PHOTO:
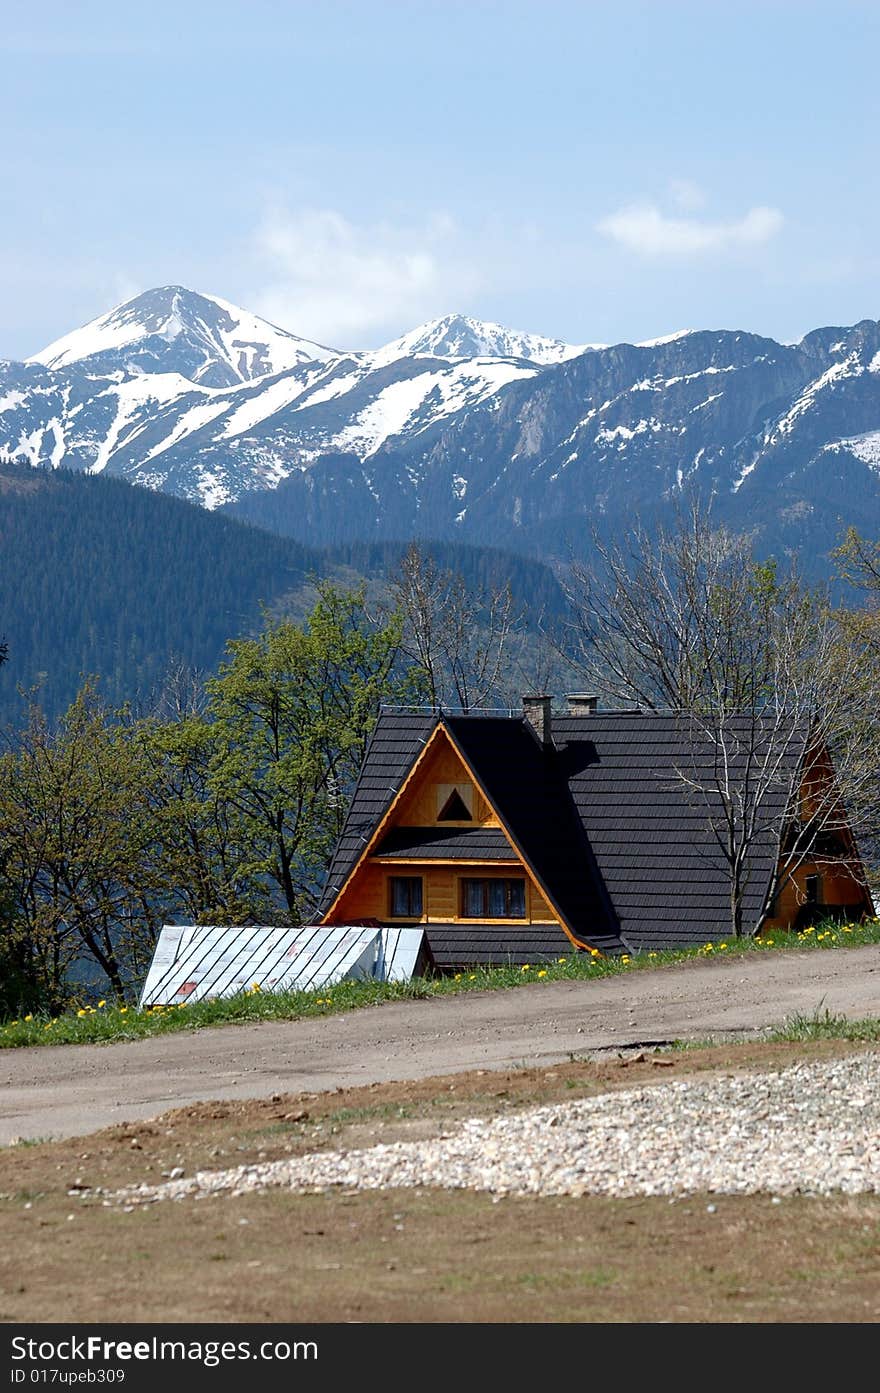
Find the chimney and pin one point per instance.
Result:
(581, 703)
(536, 710)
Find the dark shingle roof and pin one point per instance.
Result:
(447, 844)
(624, 853)
(651, 837)
(522, 782)
(397, 741)
(494, 945)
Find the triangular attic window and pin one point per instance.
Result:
(454, 809)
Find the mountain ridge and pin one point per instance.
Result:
(432, 436)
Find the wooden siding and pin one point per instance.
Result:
(841, 882)
(530, 817)
(838, 888)
(442, 765)
(368, 895)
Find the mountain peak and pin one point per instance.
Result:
(172, 329)
(460, 336)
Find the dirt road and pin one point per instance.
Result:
(73, 1090)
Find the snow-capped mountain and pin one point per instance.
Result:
(201, 337)
(190, 394)
(459, 428)
(456, 336)
(783, 440)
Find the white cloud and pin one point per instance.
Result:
(644, 229)
(339, 283)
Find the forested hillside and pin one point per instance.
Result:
(98, 577)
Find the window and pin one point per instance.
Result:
(455, 802)
(493, 899)
(453, 809)
(829, 845)
(406, 897)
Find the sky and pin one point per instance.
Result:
(594, 172)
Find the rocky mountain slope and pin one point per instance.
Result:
(458, 429)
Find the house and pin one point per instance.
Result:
(521, 836)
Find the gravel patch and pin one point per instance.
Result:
(813, 1128)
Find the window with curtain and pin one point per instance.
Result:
(406, 896)
(493, 898)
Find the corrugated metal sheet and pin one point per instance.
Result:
(197, 962)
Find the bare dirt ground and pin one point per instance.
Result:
(426, 1255)
(72, 1090)
(251, 1093)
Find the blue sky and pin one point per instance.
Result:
(597, 172)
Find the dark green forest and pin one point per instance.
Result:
(101, 578)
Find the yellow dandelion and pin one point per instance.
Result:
(542, 973)
(82, 1013)
(101, 1003)
(722, 945)
(472, 977)
(625, 958)
(28, 1018)
(457, 977)
(560, 960)
(526, 967)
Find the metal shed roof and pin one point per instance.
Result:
(198, 962)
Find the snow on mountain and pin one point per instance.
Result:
(864, 447)
(225, 443)
(204, 338)
(666, 338)
(456, 336)
(459, 428)
(413, 404)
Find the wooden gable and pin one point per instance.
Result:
(439, 773)
(833, 877)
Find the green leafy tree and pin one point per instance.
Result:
(292, 710)
(198, 850)
(76, 829)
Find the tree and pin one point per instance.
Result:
(291, 713)
(75, 830)
(198, 850)
(461, 640)
(773, 693)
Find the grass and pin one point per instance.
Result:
(825, 1025)
(104, 1021)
